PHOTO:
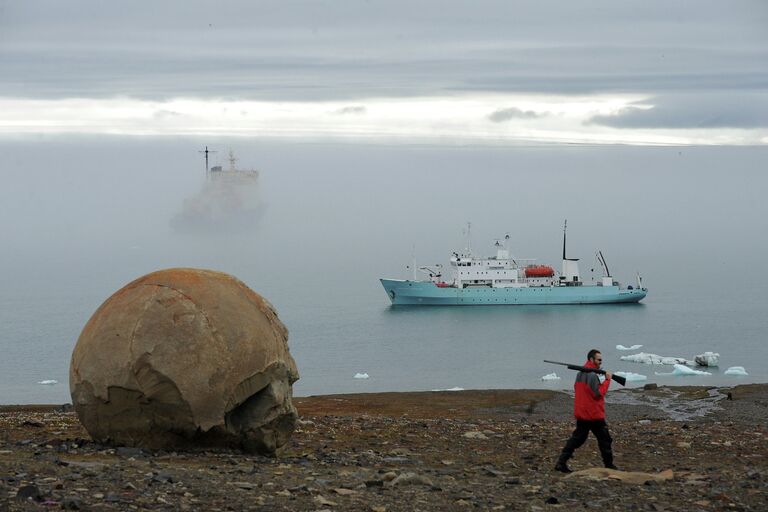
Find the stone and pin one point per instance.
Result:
(628, 477)
(185, 358)
(323, 501)
(29, 491)
(409, 478)
(245, 485)
(71, 503)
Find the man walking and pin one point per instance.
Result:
(589, 410)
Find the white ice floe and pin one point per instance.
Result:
(736, 370)
(450, 389)
(48, 382)
(633, 347)
(682, 370)
(550, 376)
(642, 357)
(707, 359)
(361, 375)
(631, 376)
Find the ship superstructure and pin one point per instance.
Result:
(217, 172)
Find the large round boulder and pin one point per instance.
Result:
(184, 358)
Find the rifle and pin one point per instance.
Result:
(618, 378)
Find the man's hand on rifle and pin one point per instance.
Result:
(608, 375)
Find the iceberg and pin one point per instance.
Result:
(450, 389)
(550, 376)
(682, 370)
(707, 359)
(361, 375)
(736, 370)
(631, 376)
(633, 347)
(642, 357)
(48, 382)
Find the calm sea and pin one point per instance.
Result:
(81, 217)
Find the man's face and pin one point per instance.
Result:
(598, 359)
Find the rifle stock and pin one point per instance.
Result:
(618, 378)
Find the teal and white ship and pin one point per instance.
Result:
(502, 279)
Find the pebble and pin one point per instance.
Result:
(475, 435)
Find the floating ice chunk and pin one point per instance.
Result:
(550, 376)
(361, 375)
(48, 382)
(707, 359)
(450, 389)
(633, 347)
(642, 357)
(631, 376)
(736, 370)
(682, 370)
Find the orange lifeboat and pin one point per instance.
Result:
(443, 285)
(539, 271)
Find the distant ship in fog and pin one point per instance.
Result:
(227, 202)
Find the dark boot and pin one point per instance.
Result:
(608, 459)
(562, 465)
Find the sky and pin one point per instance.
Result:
(630, 72)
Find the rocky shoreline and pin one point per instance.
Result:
(691, 448)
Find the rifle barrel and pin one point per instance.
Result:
(617, 378)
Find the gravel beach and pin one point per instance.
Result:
(686, 448)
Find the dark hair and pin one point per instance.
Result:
(592, 353)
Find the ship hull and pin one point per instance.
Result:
(401, 292)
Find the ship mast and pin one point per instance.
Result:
(469, 239)
(206, 159)
(570, 275)
(232, 160)
(565, 226)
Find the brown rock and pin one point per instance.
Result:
(184, 357)
(629, 477)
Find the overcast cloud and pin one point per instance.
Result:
(703, 110)
(678, 53)
(506, 114)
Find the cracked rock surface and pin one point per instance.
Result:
(185, 357)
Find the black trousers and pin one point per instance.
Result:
(579, 436)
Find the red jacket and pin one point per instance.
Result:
(589, 403)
